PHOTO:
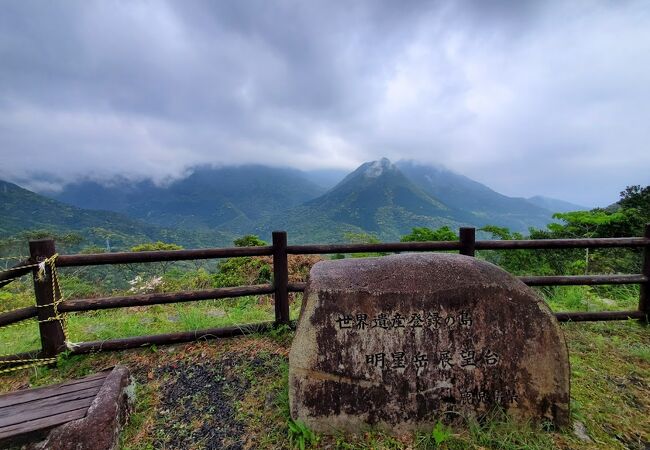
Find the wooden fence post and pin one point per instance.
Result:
(467, 237)
(281, 277)
(51, 330)
(644, 297)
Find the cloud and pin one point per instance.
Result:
(528, 97)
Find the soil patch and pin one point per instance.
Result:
(199, 402)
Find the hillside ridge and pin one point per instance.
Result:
(379, 197)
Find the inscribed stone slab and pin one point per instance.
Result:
(402, 341)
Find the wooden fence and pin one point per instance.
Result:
(48, 304)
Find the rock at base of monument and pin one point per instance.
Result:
(100, 429)
(404, 341)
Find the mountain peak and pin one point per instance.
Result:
(374, 169)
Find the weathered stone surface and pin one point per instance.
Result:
(100, 429)
(402, 341)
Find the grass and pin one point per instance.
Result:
(132, 279)
(591, 298)
(611, 381)
(134, 321)
(139, 321)
(176, 386)
(610, 395)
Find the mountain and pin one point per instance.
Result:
(22, 211)
(326, 178)
(554, 205)
(483, 205)
(213, 205)
(232, 199)
(377, 198)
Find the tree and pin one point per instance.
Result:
(502, 233)
(625, 218)
(424, 234)
(589, 224)
(250, 240)
(363, 238)
(155, 246)
(519, 262)
(18, 244)
(638, 198)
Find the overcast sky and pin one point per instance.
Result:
(543, 97)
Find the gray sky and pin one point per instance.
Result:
(543, 97)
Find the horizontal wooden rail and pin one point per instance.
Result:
(569, 280)
(575, 280)
(598, 316)
(20, 356)
(380, 247)
(558, 244)
(565, 280)
(18, 315)
(212, 253)
(225, 332)
(89, 304)
(17, 270)
(95, 259)
(171, 338)
(188, 336)
(296, 287)
(456, 245)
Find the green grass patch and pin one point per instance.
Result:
(156, 319)
(591, 298)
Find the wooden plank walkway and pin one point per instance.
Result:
(35, 411)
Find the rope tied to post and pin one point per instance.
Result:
(57, 298)
(41, 267)
(20, 268)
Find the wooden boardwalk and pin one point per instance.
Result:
(31, 413)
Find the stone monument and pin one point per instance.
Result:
(403, 341)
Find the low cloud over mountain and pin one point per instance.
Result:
(529, 98)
